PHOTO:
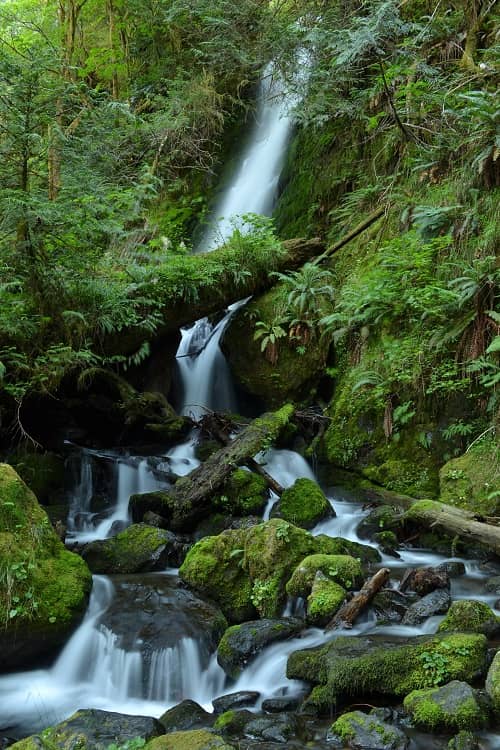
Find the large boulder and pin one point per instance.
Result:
(471, 616)
(244, 494)
(434, 603)
(186, 715)
(94, 729)
(140, 548)
(454, 706)
(303, 504)
(367, 732)
(354, 667)
(240, 643)
(325, 599)
(198, 739)
(43, 587)
(342, 569)
(469, 482)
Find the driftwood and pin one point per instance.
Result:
(445, 518)
(189, 499)
(350, 610)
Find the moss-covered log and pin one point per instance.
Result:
(189, 500)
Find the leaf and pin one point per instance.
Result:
(494, 346)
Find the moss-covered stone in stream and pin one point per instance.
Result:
(198, 739)
(43, 587)
(325, 599)
(451, 707)
(359, 730)
(244, 494)
(303, 504)
(138, 548)
(470, 616)
(337, 545)
(354, 667)
(472, 481)
(343, 569)
(493, 684)
(296, 371)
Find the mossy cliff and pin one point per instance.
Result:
(43, 587)
(472, 481)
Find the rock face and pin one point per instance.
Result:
(303, 504)
(353, 667)
(367, 732)
(240, 643)
(43, 587)
(470, 616)
(198, 739)
(453, 706)
(140, 548)
(93, 729)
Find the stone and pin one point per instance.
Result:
(464, 741)
(343, 569)
(233, 722)
(435, 603)
(138, 549)
(425, 580)
(241, 643)
(362, 731)
(492, 585)
(278, 728)
(186, 715)
(198, 739)
(493, 684)
(471, 616)
(240, 699)
(451, 707)
(382, 518)
(325, 599)
(281, 704)
(391, 605)
(303, 504)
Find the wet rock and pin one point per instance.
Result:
(453, 568)
(435, 603)
(493, 684)
(391, 605)
(343, 569)
(140, 548)
(235, 700)
(471, 616)
(383, 518)
(464, 741)
(453, 706)
(424, 580)
(356, 667)
(241, 643)
(198, 739)
(244, 494)
(367, 732)
(94, 729)
(233, 722)
(325, 599)
(303, 504)
(388, 543)
(279, 728)
(153, 519)
(49, 586)
(278, 705)
(492, 585)
(186, 715)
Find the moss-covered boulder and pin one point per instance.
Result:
(493, 684)
(472, 481)
(325, 599)
(186, 715)
(198, 739)
(241, 643)
(337, 545)
(140, 548)
(384, 518)
(43, 587)
(233, 722)
(451, 707)
(471, 616)
(94, 729)
(353, 667)
(343, 569)
(303, 504)
(360, 731)
(244, 494)
(464, 741)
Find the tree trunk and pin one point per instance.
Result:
(190, 498)
(349, 611)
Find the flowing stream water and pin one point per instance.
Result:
(103, 666)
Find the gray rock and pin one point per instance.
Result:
(235, 700)
(186, 715)
(278, 705)
(278, 728)
(493, 585)
(367, 732)
(435, 603)
(464, 741)
(240, 643)
(453, 568)
(452, 706)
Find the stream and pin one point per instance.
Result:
(106, 664)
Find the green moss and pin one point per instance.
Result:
(224, 720)
(336, 545)
(472, 481)
(343, 569)
(470, 616)
(324, 600)
(42, 472)
(493, 684)
(130, 551)
(198, 739)
(244, 494)
(348, 726)
(304, 504)
(350, 667)
(439, 708)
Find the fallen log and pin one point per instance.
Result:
(199, 285)
(359, 229)
(349, 611)
(447, 518)
(189, 499)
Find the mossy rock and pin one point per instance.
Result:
(42, 472)
(186, 715)
(354, 667)
(92, 729)
(303, 504)
(337, 545)
(343, 569)
(493, 684)
(43, 587)
(233, 722)
(471, 616)
(472, 481)
(383, 518)
(139, 548)
(198, 739)
(325, 599)
(451, 707)
(294, 375)
(464, 741)
(244, 494)
(359, 731)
